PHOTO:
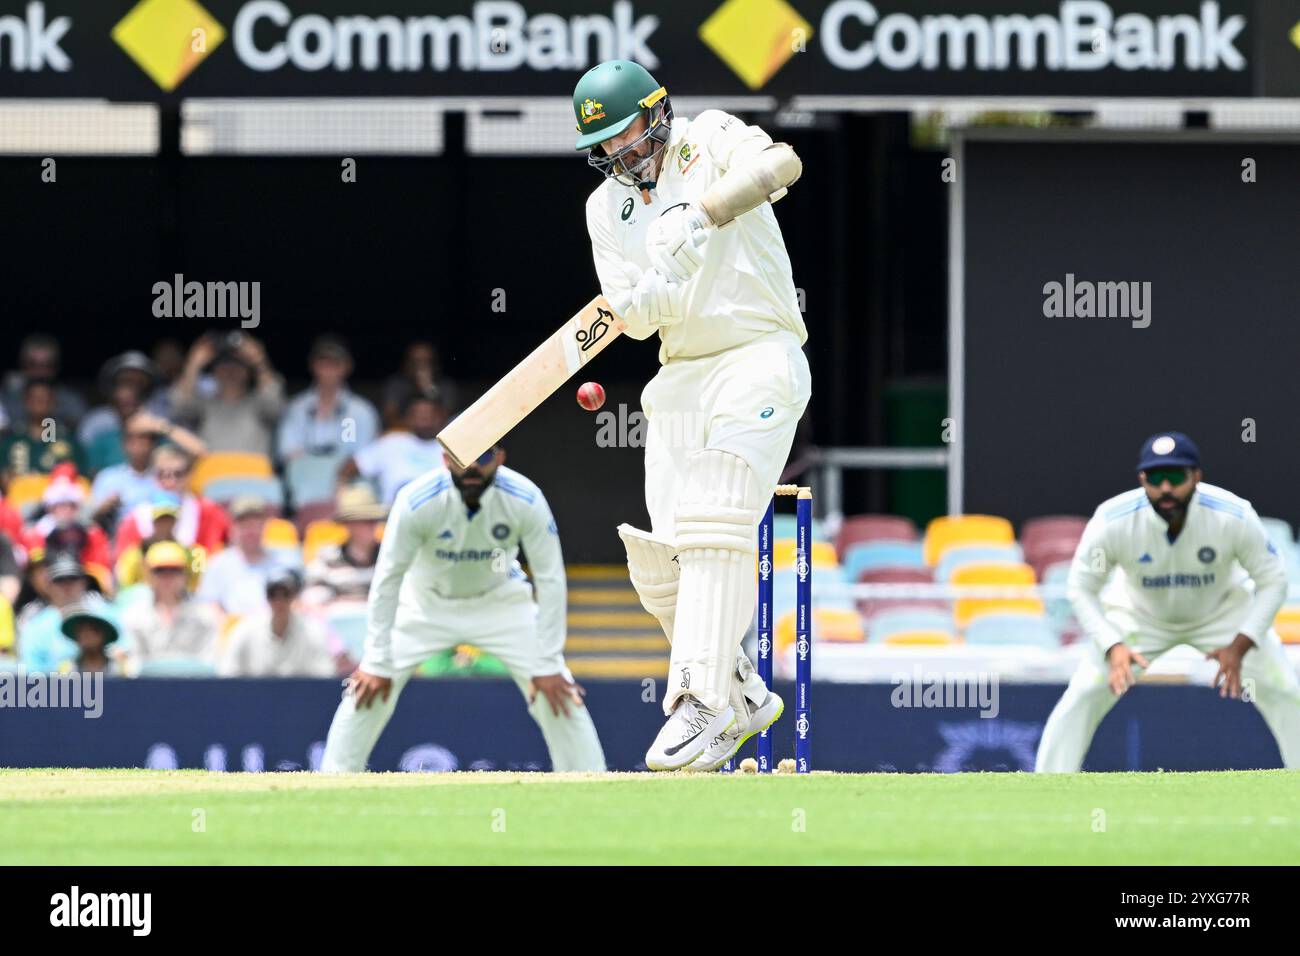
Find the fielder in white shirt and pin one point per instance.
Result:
(1192, 565)
(447, 574)
(686, 246)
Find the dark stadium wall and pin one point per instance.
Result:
(1056, 408)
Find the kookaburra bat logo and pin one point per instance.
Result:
(589, 337)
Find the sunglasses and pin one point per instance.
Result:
(170, 473)
(1175, 476)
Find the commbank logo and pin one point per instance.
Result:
(168, 38)
(755, 37)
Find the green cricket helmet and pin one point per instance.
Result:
(607, 100)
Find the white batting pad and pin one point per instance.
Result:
(654, 573)
(717, 513)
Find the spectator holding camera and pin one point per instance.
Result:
(249, 395)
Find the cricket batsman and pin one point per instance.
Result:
(686, 246)
(447, 574)
(1193, 565)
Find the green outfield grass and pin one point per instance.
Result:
(141, 816)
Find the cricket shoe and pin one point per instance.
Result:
(688, 731)
(722, 747)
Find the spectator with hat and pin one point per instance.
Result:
(90, 626)
(279, 641)
(131, 569)
(127, 382)
(121, 487)
(249, 396)
(235, 579)
(40, 440)
(62, 528)
(169, 623)
(327, 420)
(200, 523)
(343, 571)
(42, 644)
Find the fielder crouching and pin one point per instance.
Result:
(447, 574)
(1192, 565)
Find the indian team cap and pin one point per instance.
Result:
(1169, 448)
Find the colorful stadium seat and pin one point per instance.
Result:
(1287, 623)
(177, 667)
(886, 625)
(952, 531)
(920, 639)
(823, 554)
(962, 555)
(320, 533)
(279, 533)
(786, 526)
(1052, 527)
(311, 478)
(1025, 629)
(859, 528)
(1003, 575)
(225, 490)
(870, 556)
(228, 464)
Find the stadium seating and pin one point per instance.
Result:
(1287, 624)
(311, 478)
(829, 624)
(304, 515)
(177, 667)
(884, 628)
(1003, 575)
(225, 490)
(280, 533)
(25, 491)
(320, 533)
(823, 554)
(228, 464)
(1051, 528)
(1027, 629)
(870, 607)
(955, 558)
(868, 556)
(6, 626)
(859, 528)
(952, 531)
(786, 526)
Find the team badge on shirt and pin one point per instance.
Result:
(501, 531)
(1206, 555)
(686, 157)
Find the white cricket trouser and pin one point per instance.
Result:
(746, 401)
(1088, 698)
(504, 624)
(709, 419)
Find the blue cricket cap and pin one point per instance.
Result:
(1168, 448)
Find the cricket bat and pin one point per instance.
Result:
(532, 381)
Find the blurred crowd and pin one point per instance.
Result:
(191, 518)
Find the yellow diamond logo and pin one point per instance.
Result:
(168, 38)
(755, 37)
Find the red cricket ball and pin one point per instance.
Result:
(591, 396)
